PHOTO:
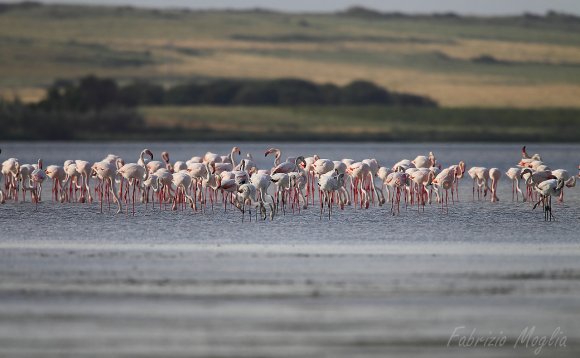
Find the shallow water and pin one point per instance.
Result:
(78, 283)
(466, 221)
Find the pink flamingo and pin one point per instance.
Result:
(495, 175)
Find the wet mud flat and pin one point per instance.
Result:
(259, 300)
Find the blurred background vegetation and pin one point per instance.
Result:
(87, 72)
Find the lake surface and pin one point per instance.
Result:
(78, 283)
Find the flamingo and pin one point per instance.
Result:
(230, 157)
(397, 181)
(246, 195)
(514, 175)
(25, 171)
(310, 179)
(525, 155)
(480, 176)
(154, 165)
(179, 166)
(106, 171)
(382, 173)
(58, 176)
(328, 184)
(165, 180)
(298, 181)
(282, 182)
(135, 174)
(422, 161)
(182, 182)
(37, 176)
(532, 178)
(208, 158)
(547, 189)
(208, 184)
(277, 155)
(359, 172)
(84, 169)
(422, 179)
(10, 171)
(262, 181)
(569, 181)
(228, 186)
(459, 170)
(444, 180)
(72, 178)
(373, 171)
(405, 164)
(494, 174)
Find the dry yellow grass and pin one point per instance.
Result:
(403, 60)
(452, 90)
(461, 49)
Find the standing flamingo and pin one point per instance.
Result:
(106, 172)
(37, 176)
(547, 189)
(569, 181)
(84, 169)
(135, 174)
(330, 183)
(494, 175)
(10, 171)
(514, 175)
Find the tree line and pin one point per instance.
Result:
(93, 106)
(94, 93)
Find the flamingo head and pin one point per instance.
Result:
(430, 178)
(165, 157)
(93, 170)
(461, 165)
(525, 171)
(300, 161)
(273, 150)
(236, 150)
(149, 153)
(432, 158)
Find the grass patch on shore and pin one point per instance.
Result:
(368, 123)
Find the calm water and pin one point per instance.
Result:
(466, 221)
(77, 283)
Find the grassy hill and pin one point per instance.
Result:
(525, 62)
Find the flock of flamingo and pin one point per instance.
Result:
(204, 181)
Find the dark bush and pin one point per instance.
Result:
(363, 92)
(221, 92)
(141, 92)
(183, 94)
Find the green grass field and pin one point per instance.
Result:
(536, 60)
(362, 123)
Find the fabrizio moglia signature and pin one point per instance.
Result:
(528, 338)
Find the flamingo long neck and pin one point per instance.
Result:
(146, 175)
(232, 158)
(142, 158)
